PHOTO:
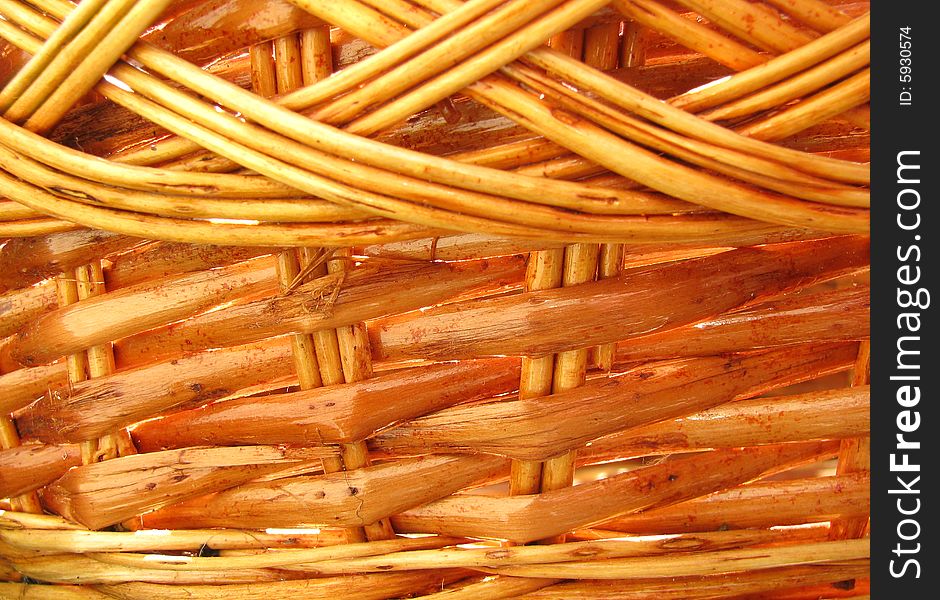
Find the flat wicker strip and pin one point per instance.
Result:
(434, 298)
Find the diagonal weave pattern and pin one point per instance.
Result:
(462, 299)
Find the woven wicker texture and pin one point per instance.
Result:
(399, 298)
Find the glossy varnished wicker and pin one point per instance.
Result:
(401, 298)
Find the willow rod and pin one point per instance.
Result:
(550, 426)
(165, 540)
(756, 505)
(346, 498)
(720, 562)
(750, 23)
(384, 558)
(103, 493)
(778, 68)
(527, 518)
(810, 80)
(125, 74)
(530, 327)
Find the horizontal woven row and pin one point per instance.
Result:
(457, 299)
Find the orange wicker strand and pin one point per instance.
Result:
(435, 298)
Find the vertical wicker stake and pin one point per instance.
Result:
(99, 360)
(9, 438)
(544, 271)
(325, 357)
(77, 364)
(569, 42)
(356, 358)
(854, 453)
(570, 367)
(604, 134)
(552, 374)
(632, 46)
(263, 79)
(601, 46)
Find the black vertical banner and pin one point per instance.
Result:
(905, 422)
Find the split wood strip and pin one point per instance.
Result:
(163, 259)
(19, 307)
(833, 414)
(840, 315)
(24, 262)
(540, 428)
(527, 518)
(344, 499)
(26, 468)
(366, 292)
(26, 500)
(20, 388)
(756, 505)
(103, 493)
(148, 261)
(138, 308)
(335, 414)
(92, 408)
(638, 302)
(855, 453)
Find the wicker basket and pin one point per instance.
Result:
(458, 299)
